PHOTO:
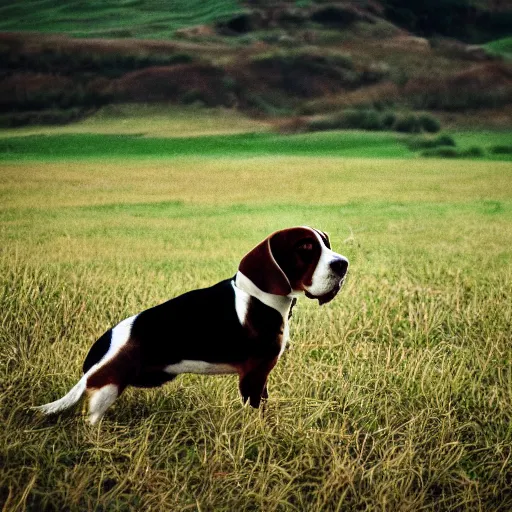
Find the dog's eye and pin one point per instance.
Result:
(305, 251)
(305, 247)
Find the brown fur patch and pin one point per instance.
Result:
(118, 369)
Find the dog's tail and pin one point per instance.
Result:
(72, 397)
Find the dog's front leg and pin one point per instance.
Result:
(253, 383)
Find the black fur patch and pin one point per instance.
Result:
(98, 350)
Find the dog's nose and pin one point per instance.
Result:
(339, 266)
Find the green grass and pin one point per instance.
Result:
(148, 19)
(483, 139)
(501, 47)
(397, 395)
(115, 146)
(349, 143)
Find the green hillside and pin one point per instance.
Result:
(501, 47)
(61, 62)
(351, 144)
(151, 19)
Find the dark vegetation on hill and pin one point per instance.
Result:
(469, 20)
(302, 60)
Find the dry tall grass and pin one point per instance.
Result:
(396, 396)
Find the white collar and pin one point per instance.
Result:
(281, 303)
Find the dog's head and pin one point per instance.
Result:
(296, 260)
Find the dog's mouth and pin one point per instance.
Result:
(327, 297)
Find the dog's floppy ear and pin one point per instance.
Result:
(260, 266)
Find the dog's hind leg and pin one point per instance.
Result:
(106, 383)
(100, 400)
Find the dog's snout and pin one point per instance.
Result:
(339, 266)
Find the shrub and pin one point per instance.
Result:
(451, 152)
(363, 119)
(443, 152)
(349, 119)
(445, 140)
(388, 120)
(193, 96)
(501, 150)
(417, 143)
(408, 124)
(473, 152)
(429, 123)
(375, 120)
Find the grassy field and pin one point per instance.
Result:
(157, 131)
(148, 19)
(395, 396)
(155, 121)
(354, 143)
(501, 47)
(67, 146)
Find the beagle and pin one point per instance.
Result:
(239, 325)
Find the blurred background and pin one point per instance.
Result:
(303, 65)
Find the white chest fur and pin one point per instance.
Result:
(245, 289)
(286, 336)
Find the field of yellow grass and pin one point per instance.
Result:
(395, 396)
(151, 121)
